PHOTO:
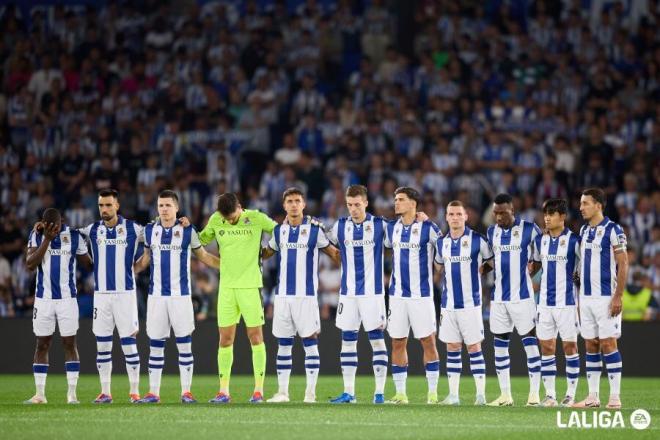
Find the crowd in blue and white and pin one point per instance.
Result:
(461, 101)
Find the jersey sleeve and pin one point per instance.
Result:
(86, 230)
(438, 251)
(266, 223)
(388, 227)
(434, 233)
(536, 231)
(195, 243)
(576, 249)
(32, 240)
(332, 233)
(489, 234)
(82, 245)
(485, 250)
(208, 233)
(322, 240)
(536, 254)
(139, 231)
(273, 243)
(618, 239)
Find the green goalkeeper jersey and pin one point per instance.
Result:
(239, 246)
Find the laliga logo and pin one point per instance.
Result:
(639, 419)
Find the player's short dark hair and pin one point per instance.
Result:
(109, 192)
(456, 203)
(559, 206)
(597, 194)
(411, 193)
(51, 215)
(503, 198)
(168, 194)
(293, 191)
(227, 204)
(357, 191)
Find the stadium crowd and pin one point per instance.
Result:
(536, 99)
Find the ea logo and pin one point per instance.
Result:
(640, 419)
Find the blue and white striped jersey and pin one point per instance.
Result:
(513, 250)
(412, 248)
(597, 263)
(462, 258)
(170, 258)
(298, 258)
(559, 258)
(361, 249)
(114, 250)
(56, 275)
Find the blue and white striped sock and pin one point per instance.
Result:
(454, 367)
(548, 375)
(349, 360)
(156, 362)
(40, 372)
(72, 372)
(104, 361)
(432, 375)
(284, 363)
(572, 373)
(594, 367)
(399, 376)
(380, 360)
(531, 345)
(312, 364)
(129, 346)
(503, 365)
(478, 367)
(614, 365)
(186, 362)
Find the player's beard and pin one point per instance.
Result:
(107, 217)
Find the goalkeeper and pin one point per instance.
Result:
(238, 233)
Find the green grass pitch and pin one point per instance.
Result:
(240, 420)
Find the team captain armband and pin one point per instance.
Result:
(620, 246)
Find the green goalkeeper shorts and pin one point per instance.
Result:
(234, 303)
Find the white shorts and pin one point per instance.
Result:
(595, 319)
(115, 309)
(463, 325)
(293, 315)
(164, 312)
(366, 310)
(404, 313)
(557, 320)
(48, 312)
(504, 316)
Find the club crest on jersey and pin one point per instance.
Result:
(65, 239)
(303, 232)
(415, 231)
(465, 243)
(562, 243)
(599, 232)
(246, 221)
(367, 228)
(221, 232)
(120, 230)
(515, 233)
(177, 234)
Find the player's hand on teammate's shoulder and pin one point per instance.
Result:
(315, 222)
(185, 221)
(421, 216)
